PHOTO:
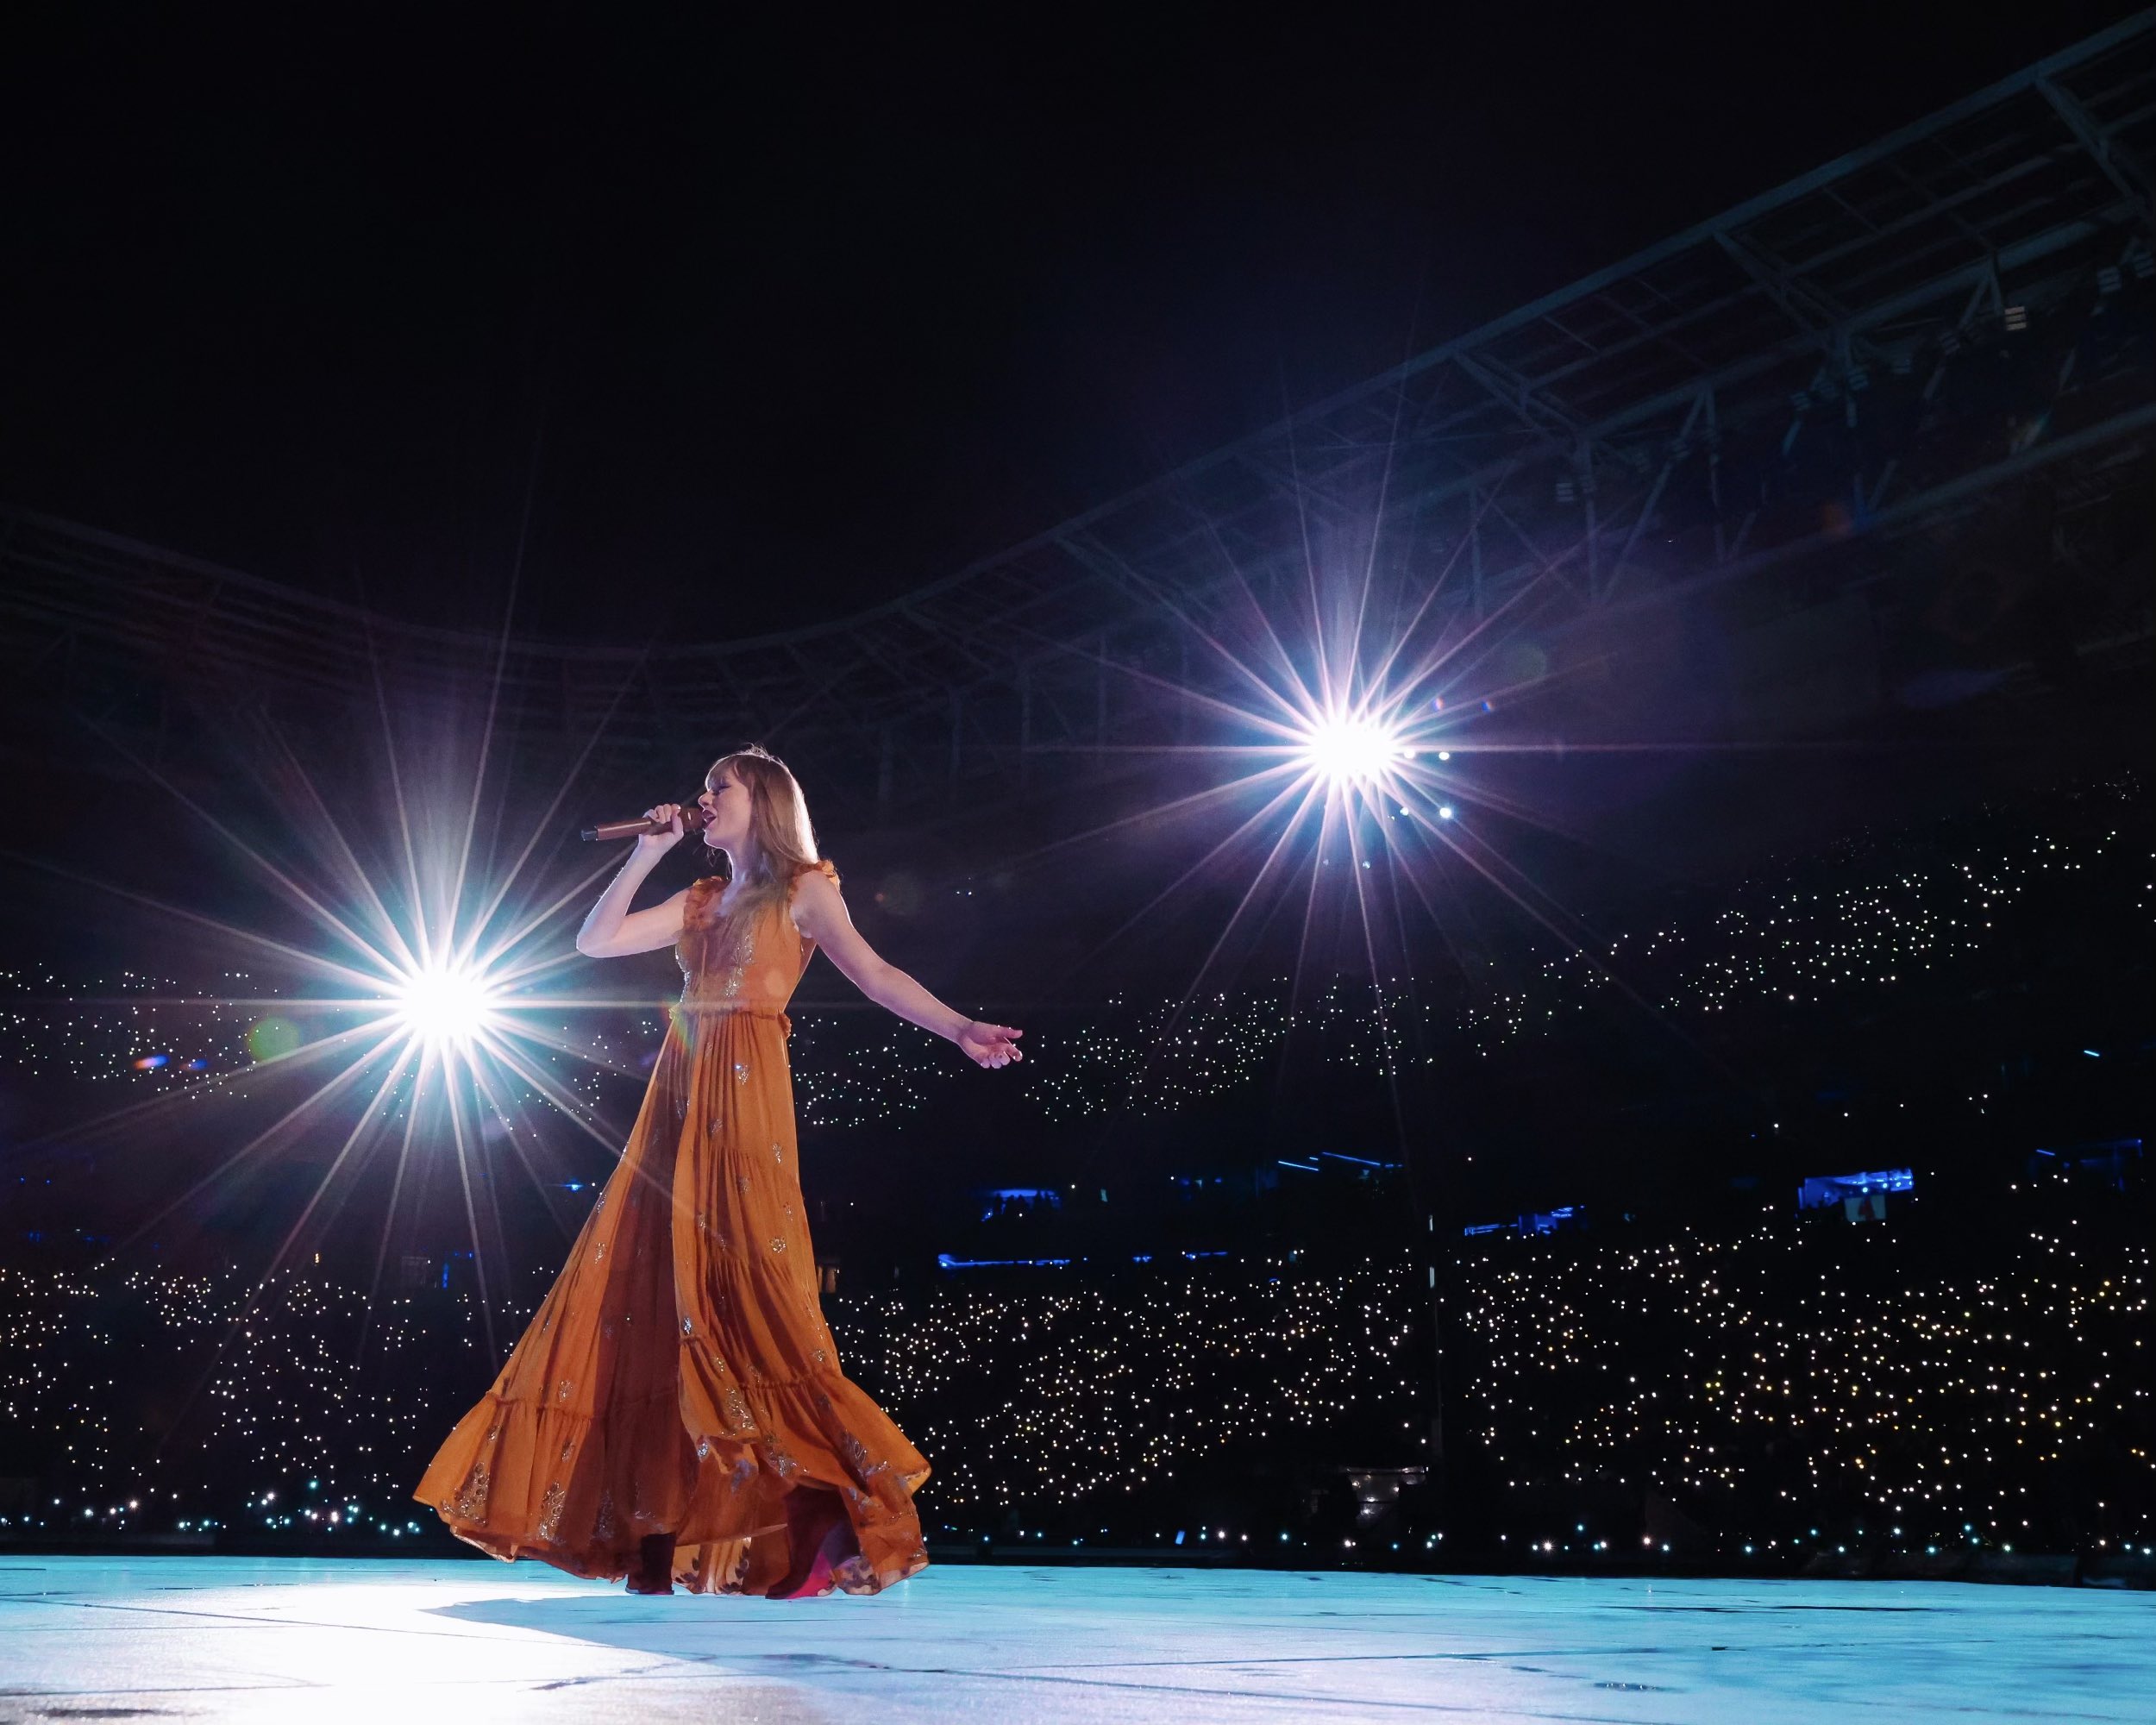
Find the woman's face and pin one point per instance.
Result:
(725, 800)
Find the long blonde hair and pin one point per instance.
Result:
(778, 824)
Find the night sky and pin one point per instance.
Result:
(735, 326)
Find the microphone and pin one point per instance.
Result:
(693, 820)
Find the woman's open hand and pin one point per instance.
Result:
(991, 1044)
(658, 844)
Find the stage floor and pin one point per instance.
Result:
(402, 1643)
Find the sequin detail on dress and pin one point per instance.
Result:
(550, 1512)
(471, 1502)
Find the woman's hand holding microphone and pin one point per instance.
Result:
(651, 846)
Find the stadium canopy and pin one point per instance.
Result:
(1885, 341)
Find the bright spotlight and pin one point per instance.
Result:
(446, 1005)
(1347, 750)
(1444, 811)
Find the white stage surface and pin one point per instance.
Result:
(402, 1643)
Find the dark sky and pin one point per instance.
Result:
(771, 319)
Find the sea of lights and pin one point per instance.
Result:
(1953, 1402)
(1793, 1388)
(1862, 923)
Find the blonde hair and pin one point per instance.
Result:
(778, 823)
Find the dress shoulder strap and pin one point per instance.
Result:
(826, 868)
(701, 909)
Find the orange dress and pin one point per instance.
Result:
(679, 1378)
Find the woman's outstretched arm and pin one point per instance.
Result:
(612, 930)
(819, 912)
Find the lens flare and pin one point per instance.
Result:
(446, 1005)
(1351, 749)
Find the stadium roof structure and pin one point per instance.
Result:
(1890, 338)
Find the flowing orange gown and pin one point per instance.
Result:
(680, 1379)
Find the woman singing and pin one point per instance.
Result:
(675, 1412)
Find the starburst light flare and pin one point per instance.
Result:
(1347, 747)
(407, 938)
(1344, 712)
(448, 1005)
